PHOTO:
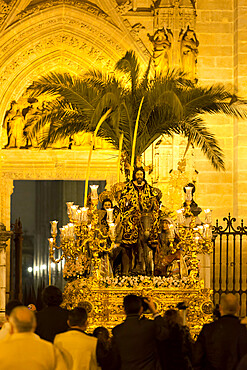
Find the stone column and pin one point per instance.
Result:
(6, 189)
(4, 236)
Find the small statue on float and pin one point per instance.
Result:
(107, 214)
(167, 262)
(192, 208)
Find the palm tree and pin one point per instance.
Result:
(132, 106)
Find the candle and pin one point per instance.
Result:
(66, 229)
(188, 194)
(109, 216)
(53, 227)
(84, 216)
(74, 211)
(69, 205)
(50, 240)
(94, 194)
(61, 234)
(171, 231)
(200, 229)
(208, 216)
(180, 217)
(71, 228)
(112, 228)
(206, 230)
(196, 238)
(79, 215)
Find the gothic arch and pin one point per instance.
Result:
(64, 37)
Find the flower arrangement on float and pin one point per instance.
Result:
(145, 281)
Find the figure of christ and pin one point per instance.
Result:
(139, 220)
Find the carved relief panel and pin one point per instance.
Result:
(171, 40)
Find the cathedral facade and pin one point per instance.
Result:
(206, 39)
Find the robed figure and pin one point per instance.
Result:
(139, 218)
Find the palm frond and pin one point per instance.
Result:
(196, 131)
(129, 65)
(67, 87)
(172, 104)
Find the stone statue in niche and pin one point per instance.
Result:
(162, 45)
(20, 119)
(14, 123)
(188, 52)
(30, 113)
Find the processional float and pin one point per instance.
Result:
(83, 242)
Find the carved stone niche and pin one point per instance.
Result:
(174, 14)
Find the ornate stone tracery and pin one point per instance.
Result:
(84, 5)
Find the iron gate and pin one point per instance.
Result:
(229, 261)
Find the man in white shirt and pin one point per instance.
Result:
(78, 348)
(25, 350)
(6, 328)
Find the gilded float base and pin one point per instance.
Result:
(105, 304)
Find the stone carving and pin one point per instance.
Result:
(4, 9)
(62, 41)
(124, 7)
(14, 123)
(34, 108)
(20, 119)
(162, 45)
(188, 3)
(172, 13)
(84, 5)
(55, 172)
(188, 52)
(137, 28)
(172, 3)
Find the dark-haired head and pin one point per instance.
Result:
(52, 296)
(107, 203)
(132, 304)
(78, 317)
(101, 332)
(11, 305)
(137, 169)
(173, 317)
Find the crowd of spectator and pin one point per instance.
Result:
(54, 338)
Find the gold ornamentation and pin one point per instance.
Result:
(117, 188)
(107, 303)
(106, 195)
(83, 239)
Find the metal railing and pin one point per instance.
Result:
(229, 261)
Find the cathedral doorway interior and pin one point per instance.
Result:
(36, 203)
